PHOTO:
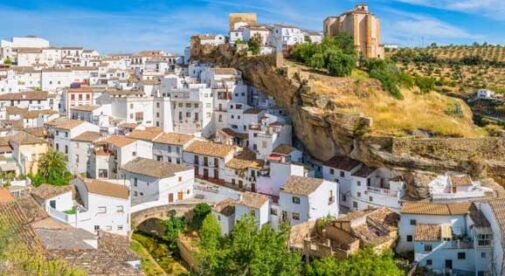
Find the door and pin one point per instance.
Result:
(52, 203)
(448, 264)
(240, 185)
(205, 173)
(253, 187)
(180, 195)
(170, 198)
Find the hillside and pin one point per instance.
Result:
(461, 69)
(418, 114)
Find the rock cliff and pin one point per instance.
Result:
(326, 132)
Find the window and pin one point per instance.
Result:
(359, 183)
(413, 222)
(427, 248)
(409, 238)
(135, 193)
(332, 171)
(370, 198)
(273, 211)
(359, 194)
(180, 178)
(344, 198)
(429, 262)
(355, 204)
(461, 255)
(483, 255)
(119, 209)
(295, 216)
(97, 227)
(342, 173)
(134, 153)
(120, 227)
(295, 200)
(102, 210)
(66, 149)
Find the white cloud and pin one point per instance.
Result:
(489, 8)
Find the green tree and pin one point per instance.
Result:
(338, 63)
(200, 212)
(52, 169)
(7, 61)
(364, 262)
(250, 250)
(210, 232)
(254, 44)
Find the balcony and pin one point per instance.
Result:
(73, 216)
(382, 191)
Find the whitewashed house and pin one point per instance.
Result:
(447, 238)
(34, 100)
(454, 187)
(243, 169)
(254, 204)
(371, 187)
(285, 36)
(303, 199)
(54, 198)
(493, 210)
(156, 183)
(485, 94)
(106, 206)
(213, 40)
(81, 149)
(169, 147)
(340, 169)
(209, 159)
(224, 211)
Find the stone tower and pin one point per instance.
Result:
(362, 25)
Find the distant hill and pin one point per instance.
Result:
(462, 69)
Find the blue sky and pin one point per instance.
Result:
(132, 25)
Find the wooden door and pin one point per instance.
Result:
(170, 197)
(180, 195)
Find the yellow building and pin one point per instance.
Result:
(27, 150)
(362, 25)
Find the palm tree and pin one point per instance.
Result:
(52, 168)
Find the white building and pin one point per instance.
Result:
(169, 147)
(303, 199)
(213, 40)
(156, 183)
(224, 211)
(106, 206)
(209, 159)
(485, 94)
(33, 100)
(454, 187)
(284, 36)
(447, 238)
(254, 204)
(81, 149)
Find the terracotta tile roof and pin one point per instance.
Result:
(5, 196)
(23, 138)
(34, 95)
(253, 200)
(40, 132)
(342, 163)
(87, 136)
(428, 232)
(173, 138)
(105, 188)
(498, 207)
(64, 123)
(46, 191)
(87, 108)
(300, 185)
(12, 215)
(225, 207)
(437, 209)
(210, 149)
(153, 168)
(145, 135)
(118, 141)
(284, 149)
(231, 133)
(463, 180)
(245, 159)
(31, 208)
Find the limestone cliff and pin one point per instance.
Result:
(326, 132)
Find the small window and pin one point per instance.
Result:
(134, 153)
(332, 171)
(359, 194)
(97, 227)
(355, 204)
(273, 211)
(119, 209)
(413, 222)
(409, 238)
(344, 198)
(102, 210)
(483, 255)
(342, 173)
(429, 262)
(427, 248)
(296, 200)
(120, 227)
(359, 183)
(180, 178)
(295, 216)
(370, 198)
(461, 255)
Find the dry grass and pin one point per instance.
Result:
(417, 112)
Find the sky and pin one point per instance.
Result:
(123, 26)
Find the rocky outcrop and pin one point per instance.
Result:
(326, 132)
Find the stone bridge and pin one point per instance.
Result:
(163, 212)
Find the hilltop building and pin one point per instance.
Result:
(362, 25)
